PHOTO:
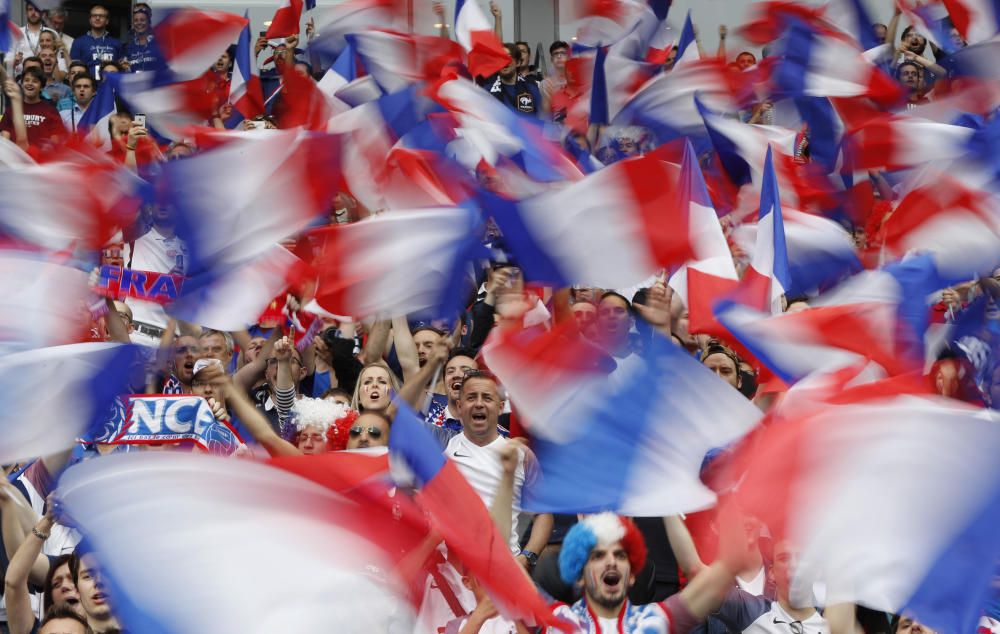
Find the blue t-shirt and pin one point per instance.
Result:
(141, 57)
(93, 50)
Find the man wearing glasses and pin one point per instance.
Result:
(95, 46)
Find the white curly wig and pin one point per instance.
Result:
(319, 412)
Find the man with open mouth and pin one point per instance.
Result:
(602, 554)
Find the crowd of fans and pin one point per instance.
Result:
(334, 389)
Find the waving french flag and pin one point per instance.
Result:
(6, 26)
(851, 17)
(687, 46)
(488, 131)
(878, 316)
(704, 413)
(543, 382)
(191, 40)
(906, 541)
(235, 202)
(233, 299)
(976, 20)
(245, 92)
(742, 148)
(769, 274)
(335, 23)
(959, 225)
(896, 141)
(126, 507)
(666, 103)
(641, 225)
(401, 262)
(486, 53)
(346, 81)
(397, 60)
(710, 274)
(819, 64)
(53, 204)
(820, 252)
(457, 513)
(94, 122)
(30, 316)
(286, 19)
(81, 382)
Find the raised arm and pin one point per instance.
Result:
(890, 31)
(497, 20)
(705, 593)
(162, 355)
(27, 558)
(721, 52)
(250, 416)
(375, 344)
(406, 349)
(254, 371)
(413, 389)
(116, 326)
(13, 92)
(683, 546)
(502, 509)
(442, 20)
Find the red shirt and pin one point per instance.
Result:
(42, 120)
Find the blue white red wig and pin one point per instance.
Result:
(602, 529)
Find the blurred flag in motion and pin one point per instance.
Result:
(268, 549)
(676, 410)
(404, 261)
(53, 396)
(893, 503)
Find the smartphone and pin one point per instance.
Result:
(139, 120)
(263, 33)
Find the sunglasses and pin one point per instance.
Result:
(374, 432)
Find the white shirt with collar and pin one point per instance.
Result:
(482, 470)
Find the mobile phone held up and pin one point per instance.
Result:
(139, 120)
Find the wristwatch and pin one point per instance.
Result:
(531, 557)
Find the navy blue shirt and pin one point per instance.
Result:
(90, 50)
(522, 96)
(141, 57)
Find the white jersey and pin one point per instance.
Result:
(154, 252)
(482, 469)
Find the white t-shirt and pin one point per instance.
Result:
(153, 252)
(755, 586)
(482, 469)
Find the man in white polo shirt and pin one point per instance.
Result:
(476, 452)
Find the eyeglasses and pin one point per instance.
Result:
(186, 349)
(374, 432)
(98, 15)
